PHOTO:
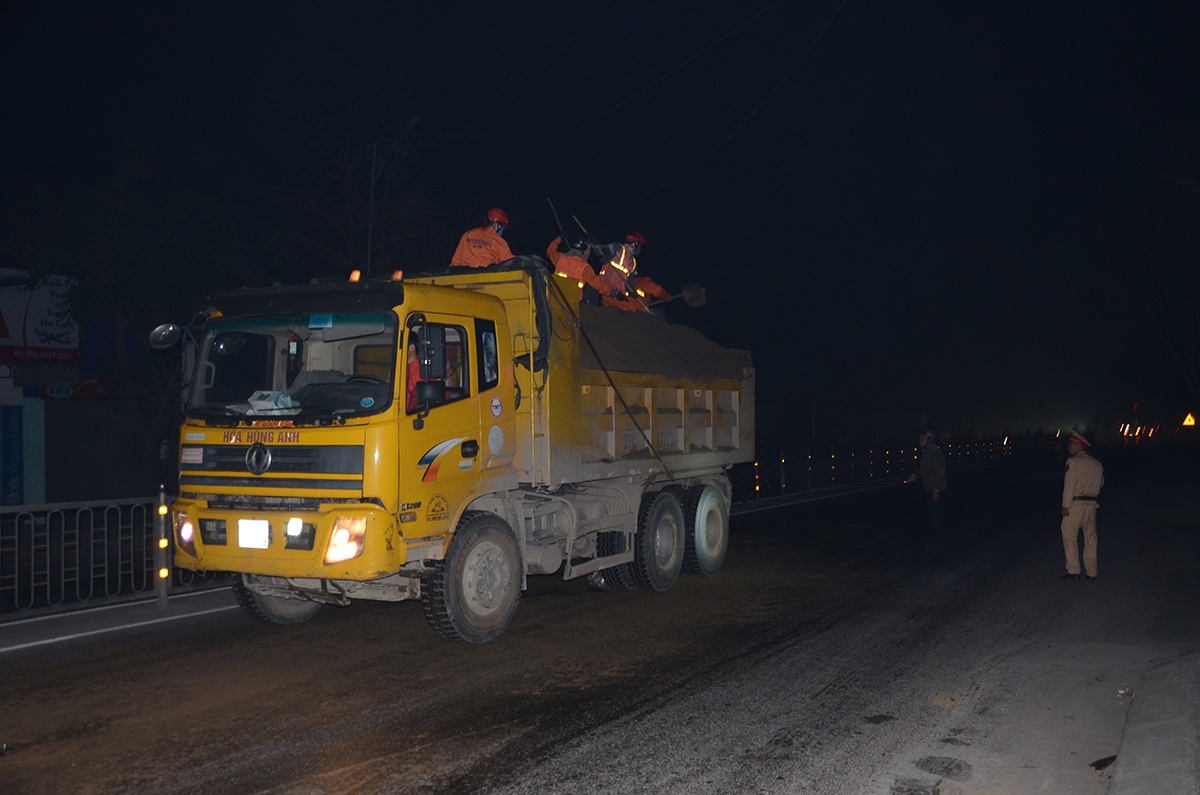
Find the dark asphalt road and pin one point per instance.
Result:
(830, 656)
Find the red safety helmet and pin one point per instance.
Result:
(497, 216)
(635, 237)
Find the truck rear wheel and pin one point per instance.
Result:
(474, 594)
(274, 609)
(658, 553)
(619, 577)
(614, 578)
(707, 521)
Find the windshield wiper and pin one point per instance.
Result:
(217, 414)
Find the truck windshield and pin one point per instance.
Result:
(304, 367)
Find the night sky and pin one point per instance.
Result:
(978, 216)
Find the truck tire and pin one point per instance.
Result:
(707, 521)
(623, 577)
(474, 593)
(614, 578)
(619, 577)
(274, 609)
(659, 548)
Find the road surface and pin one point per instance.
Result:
(831, 655)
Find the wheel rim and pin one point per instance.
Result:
(666, 540)
(709, 531)
(486, 578)
(712, 531)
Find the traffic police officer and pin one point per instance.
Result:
(1081, 488)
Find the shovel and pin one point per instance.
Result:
(692, 294)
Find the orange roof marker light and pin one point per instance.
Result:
(1189, 420)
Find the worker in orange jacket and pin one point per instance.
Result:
(570, 260)
(649, 290)
(413, 375)
(617, 273)
(484, 245)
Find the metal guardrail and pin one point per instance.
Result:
(60, 555)
(842, 466)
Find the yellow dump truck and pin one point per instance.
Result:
(440, 438)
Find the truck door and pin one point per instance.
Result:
(440, 436)
(497, 403)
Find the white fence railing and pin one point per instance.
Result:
(60, 555)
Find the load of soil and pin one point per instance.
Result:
(638, 342)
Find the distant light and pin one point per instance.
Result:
(1189, 420)
(397, 276)
(164, 573)
(355, 275)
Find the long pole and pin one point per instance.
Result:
(371, 206)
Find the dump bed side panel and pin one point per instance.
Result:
(650, 386)
(617, 384)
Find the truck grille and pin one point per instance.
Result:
(301, 462)
(339, 459)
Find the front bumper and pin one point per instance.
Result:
(283, 543)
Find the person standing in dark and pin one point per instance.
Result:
(1081, 488)
(931, 470)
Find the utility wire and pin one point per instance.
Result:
(756, 108)
(1187, 183)
(591, 121)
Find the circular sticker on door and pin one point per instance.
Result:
(496, 440)
(496, 407)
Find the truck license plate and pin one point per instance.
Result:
(254, 533)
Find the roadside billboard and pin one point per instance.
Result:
(36, 327)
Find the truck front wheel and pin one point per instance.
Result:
(658, 555)
(707, 518)
(274, 609)
(473, 596)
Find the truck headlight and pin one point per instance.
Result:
(185, 533)
(347, 539)
(299, 534)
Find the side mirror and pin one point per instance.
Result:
(427, 394)
(432, 352)
(165, 336)
(430, 393)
